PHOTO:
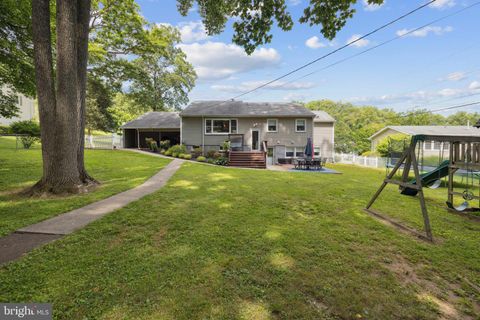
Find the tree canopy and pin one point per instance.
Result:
(355, 124)
(256, 18)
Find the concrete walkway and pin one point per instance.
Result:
(25, 239)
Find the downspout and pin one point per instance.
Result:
(333, 142)
(203, 135)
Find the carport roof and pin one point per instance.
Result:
(155, 120)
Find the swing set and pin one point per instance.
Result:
(463, 160)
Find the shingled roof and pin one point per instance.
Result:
(245, 109)
(432, 130)
(155, 120)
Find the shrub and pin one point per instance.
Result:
(175, 154)
(4, 130)
(395, 143)
(226, 145)
(27, 127)
(211, 161)
(181, 155)
(197, 152)
(201, 159)
(168, 153)
(165, 144)
(187, 156)
(222, 161)
(179, 148)
(153, 146)
(162, 151)
(211, 153)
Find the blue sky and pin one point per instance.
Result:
(434, 67)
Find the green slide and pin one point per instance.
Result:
(428, 178)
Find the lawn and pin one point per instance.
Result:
(222, 243)
(22, 168)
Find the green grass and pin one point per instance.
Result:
(116, 170)
(220, 243)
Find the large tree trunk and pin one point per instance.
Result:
(61, 101)
(82, 57)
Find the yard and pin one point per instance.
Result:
(222, 243)
(117, 170)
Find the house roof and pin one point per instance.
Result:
(432, 130)
(155, 120)
(245, 109)
(322, 116)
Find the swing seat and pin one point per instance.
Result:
(460, 208)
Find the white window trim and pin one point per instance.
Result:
(219, 133)
(296, 126)
(295, 149)
(276, 125)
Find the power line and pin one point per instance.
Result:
(441, 109)
(383, 43)
(336, 50)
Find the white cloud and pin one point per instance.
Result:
(218, 60)
(314, 43)
(249, 85)
(359, 43)
(295, 97)
(419, 96)
(371, 7)
(426, 31)
(442, 4)
(454, 76)
(295, 2)
(475, 85)
(192, 31)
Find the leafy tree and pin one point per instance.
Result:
(99, 100)
(124, 109)
(163, 80)
(16, 64)
(255, 18)
(396, 143)
(8, 104)
(463, 118)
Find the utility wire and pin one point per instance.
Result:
(382, 44)
(336, 50)
(440, 109)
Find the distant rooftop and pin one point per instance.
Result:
(432, 130)
(322, 116)
(245, 109)
(155, 120)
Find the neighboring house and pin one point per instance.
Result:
(26, 111)
(430, 148)
(284, 127)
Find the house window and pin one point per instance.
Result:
(427, 145)
(316, 151)
(289, 152)
(300, 125)
(272, 125)
(220, 126)
(436, 145)
(299, 152)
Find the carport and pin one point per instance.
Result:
(159, 126)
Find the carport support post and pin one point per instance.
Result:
(138, 139)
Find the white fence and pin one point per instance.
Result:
(372, 162)
(113, 141)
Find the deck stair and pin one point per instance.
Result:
(247, 159)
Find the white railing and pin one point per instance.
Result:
(113, 141)
(349, 158)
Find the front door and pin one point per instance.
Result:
(255, 139)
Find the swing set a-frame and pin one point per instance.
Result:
(464, 155)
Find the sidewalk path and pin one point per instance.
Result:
(25, 239)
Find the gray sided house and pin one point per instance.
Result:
(283, 127)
